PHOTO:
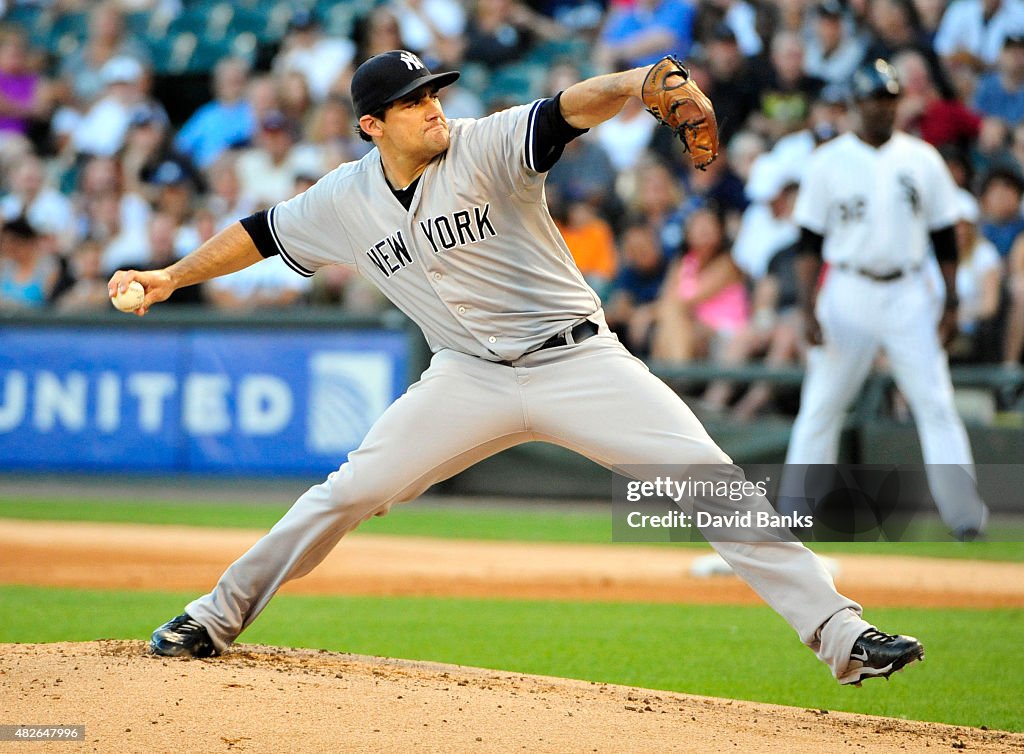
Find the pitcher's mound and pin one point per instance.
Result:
(265, 699)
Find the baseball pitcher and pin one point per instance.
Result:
(449, 219)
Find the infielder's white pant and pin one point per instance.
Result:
(858, 316)
(594, 398)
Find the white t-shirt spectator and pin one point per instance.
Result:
(264, 184)
(970, 277)
(447, 16)
(50, 212)
(963, 29)
(267, 278)
(321, 64)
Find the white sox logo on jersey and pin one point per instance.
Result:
(444, 232)
(411, 61)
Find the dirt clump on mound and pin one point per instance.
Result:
(263, 699)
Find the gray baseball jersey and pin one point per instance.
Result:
(476, 261)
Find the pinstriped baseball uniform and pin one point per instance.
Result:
(875, 209)
(475, 260)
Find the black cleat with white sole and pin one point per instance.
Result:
(182, 637)
(878, 655)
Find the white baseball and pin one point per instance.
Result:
(131, 299)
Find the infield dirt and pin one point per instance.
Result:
(261, 699)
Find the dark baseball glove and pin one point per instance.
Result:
(676, 101)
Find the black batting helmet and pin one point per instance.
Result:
(876, 79)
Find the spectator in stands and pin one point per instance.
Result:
(88, 288)
(717, 186)
(159, 249)
(585, 171)
(896, 27)
(656, 195)
(268, 284)
(27, 276)
(732, 85)
(786, 92)
(1001, 220)
(330, 137)
(502, 31)
(378, 32)
(626, 136)
(923, 111)
(434, 27)
(228, 121)
(767, 226)
(742, 151)
(1000, 93)
(147, 147)
(590, 241)
(643, 32)
(267, 171)
(979, 278)
(930, 14)
(835, 51)
(739, 17)
(1017, 146)
(775, 328)
(103, 208)
(46, 208)
(320, 59)
(977, 29)
(293, 97)
(632, 305)
(703, 302)
(1013, 345)
(174, 195)
(262, 96)
(227, 202)
(101, 131)
(24, 94)
(121, 242)
(107, 40)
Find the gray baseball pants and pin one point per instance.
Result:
(594, 398)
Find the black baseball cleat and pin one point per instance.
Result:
(877, 654)
(182, 637)
(967, 534)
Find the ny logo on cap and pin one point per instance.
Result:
(411, 61)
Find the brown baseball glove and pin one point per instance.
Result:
(676, 101)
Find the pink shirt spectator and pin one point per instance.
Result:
(726, 311)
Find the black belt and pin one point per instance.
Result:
(878, 277)
(580, 333)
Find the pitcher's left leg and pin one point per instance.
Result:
(605, 404)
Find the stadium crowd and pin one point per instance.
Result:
(102, 170)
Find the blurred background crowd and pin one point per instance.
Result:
(132, 130)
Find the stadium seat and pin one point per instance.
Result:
(518, 81)
(173, 52)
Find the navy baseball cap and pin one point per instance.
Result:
(877, 79)
(390, 76)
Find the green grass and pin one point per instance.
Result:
(512, 523)
(974, 673)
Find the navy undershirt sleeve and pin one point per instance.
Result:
(258, 227)
(551, 133)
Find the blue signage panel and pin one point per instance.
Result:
(273, 401)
